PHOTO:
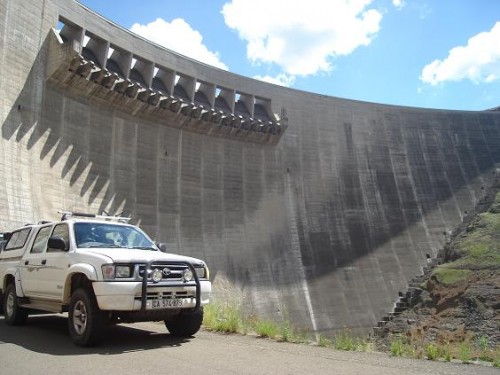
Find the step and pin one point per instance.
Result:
(402, 305)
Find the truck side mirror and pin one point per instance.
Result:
(58, 243)
(162, 247)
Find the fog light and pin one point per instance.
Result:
(187, 275)
(157, 275)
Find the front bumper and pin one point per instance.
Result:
(128, 295)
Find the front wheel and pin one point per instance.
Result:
(85, 321)
(186, 323)
(13, 314)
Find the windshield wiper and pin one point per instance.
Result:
(107, 245)
(143, 248)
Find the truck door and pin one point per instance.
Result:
(31, 264)
(53, 273)
(43, 270)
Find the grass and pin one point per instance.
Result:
(346, 341)
(466, 351)
(481, 246)
(227, 317)
(223, 317)
(433, 352)
(398, 347)
(450, 276)
(266, 328)
(479, 249)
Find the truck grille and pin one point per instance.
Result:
(169, 272)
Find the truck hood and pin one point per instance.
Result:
(123, 255)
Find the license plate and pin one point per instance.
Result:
(165, 303)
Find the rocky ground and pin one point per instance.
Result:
(455, 311)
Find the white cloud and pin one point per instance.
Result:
(179, 37)
(302, 37)
(398, 3)
(478, 61)
(281, 79)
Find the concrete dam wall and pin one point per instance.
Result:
(307, 207)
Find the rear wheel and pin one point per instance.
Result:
(86, 321)
(13, 314)
(186, 323)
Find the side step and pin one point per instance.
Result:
(43, 305)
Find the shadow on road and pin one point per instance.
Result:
(49, 334)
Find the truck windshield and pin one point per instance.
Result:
(110, 235)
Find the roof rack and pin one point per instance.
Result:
(65, 215)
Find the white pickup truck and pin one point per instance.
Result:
(100, 270)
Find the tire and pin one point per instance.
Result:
(86, 322)
(13, 314)
(186, 323)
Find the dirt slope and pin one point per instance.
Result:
(456, 308)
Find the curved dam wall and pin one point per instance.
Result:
(321, 217)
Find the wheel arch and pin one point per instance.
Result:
(79, 275)
(11, 278)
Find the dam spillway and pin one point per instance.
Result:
(314, 207)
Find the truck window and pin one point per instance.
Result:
(18, 239)
(41, 238)
(60, 230)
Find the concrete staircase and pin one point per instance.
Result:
(409, 298)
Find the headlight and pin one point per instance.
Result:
(122, 271)
(111, 271)
(202, 272)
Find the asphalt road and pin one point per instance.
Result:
(43, 346)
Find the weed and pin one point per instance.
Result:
(286, 332)
(222, 318)
(397, 347)
(464, 352)
(483, 342)
(432, 352)
(324, 342)
(266, 328)
(345, 341)
(446, 352)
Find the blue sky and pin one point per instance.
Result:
(420, 53)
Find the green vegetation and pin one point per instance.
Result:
(223, 317)
(324, 342)
(449, 276)
(464, 352)
(478, 249)
(481, 246)
(433, 352)
(345, 340)
(266, 328)
(229, 318)
(398, 347)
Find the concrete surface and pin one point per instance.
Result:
(323, 225)
(44, 346)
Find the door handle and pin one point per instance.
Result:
(44, 262)
(26, 262)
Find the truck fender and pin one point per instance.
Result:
(14, 272)
(79, 268)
